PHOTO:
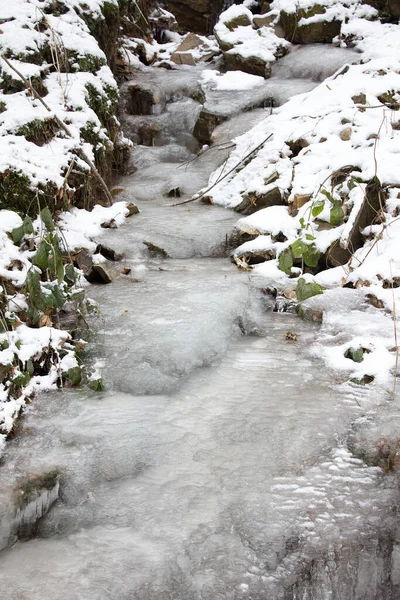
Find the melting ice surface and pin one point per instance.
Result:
(218, 463)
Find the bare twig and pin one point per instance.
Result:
(63, 126)
(395, 333)
(198, 196)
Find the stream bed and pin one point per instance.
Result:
(223, 462)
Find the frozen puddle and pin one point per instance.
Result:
(217, 466)
(229, 488)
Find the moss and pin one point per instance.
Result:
(34, 486)
(17, 194)
(319, 32)
(239, 21)
(104, 105)
(9, 85)
(38, 131)
(87, 63)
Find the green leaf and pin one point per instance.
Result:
(28, 226)
(317, 207)
(327, 195)
(310, 237)
(286, 262)
(355, 354)
(306, 290)
(21, 380)
(36, 296)
(17, 234)
(336, 214)
(97, 385)
(302, 223)
(74, 375)
(29, 367)
(311, 256)
(59, 298)
(298, 248)
(70, 274)
(47, 218)
(41, 258)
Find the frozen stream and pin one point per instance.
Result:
(218, 464)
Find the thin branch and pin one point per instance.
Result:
(198, 196)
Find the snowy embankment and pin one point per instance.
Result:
(51, 51)
(331, 156)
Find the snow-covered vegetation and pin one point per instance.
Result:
(59, 140)
(330, 159)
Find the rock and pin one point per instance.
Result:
(156, 249)
(161, 20)
(141, 100)
(253, 257)
(389, 9)
(69, 318)
(183, 58)
(199, 16)
(241, 20)
(132, 208)
(340, 175)
(98, 274)
(262, 20)
(319, 32)
(296, 146)
(359, 98)
(370, 207)
(205, 125)
(298, 201)
(253, 65)
(254, 202)
(84, 261)
(108, 253)
(189, 42)
(345, 134)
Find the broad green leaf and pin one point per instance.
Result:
(47, 218)
(59, 298)
(317, 207)
(36, 296)
(21, 380)
(286, 262)
(302, 223)
(336, 214)
(356, 355)
(28, 226)
(306, 290)
(70, 275)
(327, 195)
(311, 256)
(298, 248)
(17, 234)
(74, 375)
(310, 237)
(41, 259)
(97, 385)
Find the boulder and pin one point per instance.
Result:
(253, 65)
(183, 58)
(389, 9)
(318, 32)
(205, 125)
(253, 202)
(140, 100)
(199, 16)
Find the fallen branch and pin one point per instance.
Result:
(198, 196)
(63, 126)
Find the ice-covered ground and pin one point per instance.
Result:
(223, 461)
